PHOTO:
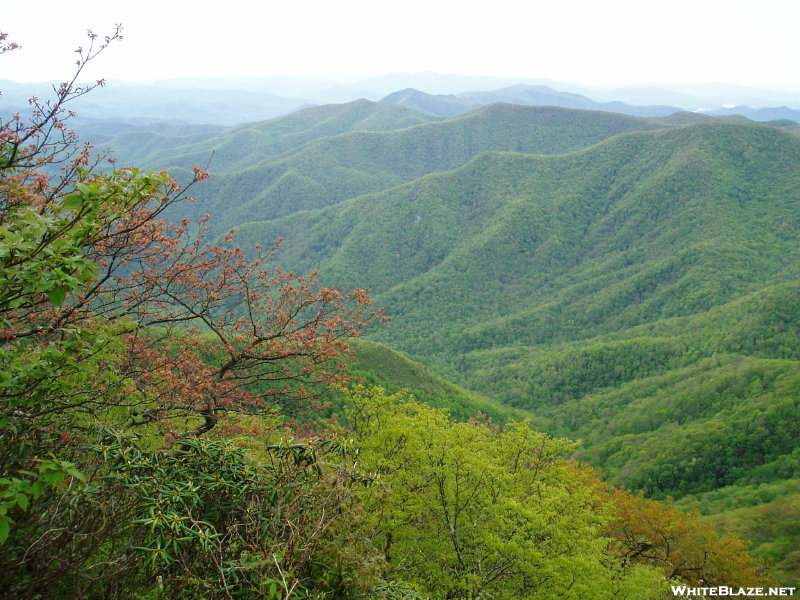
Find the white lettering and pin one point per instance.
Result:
(678, 590)
(724, 590)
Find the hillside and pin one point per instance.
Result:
(681, 406)
(161, 144)
(242, 146)
(527, 95)
(443, 105)
(377, 364)
(546, 96)
(326, 171)
(533, 249)
(135, 140)
(774, 113)
(703, 408)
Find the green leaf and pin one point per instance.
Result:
(22, 501)
(73, 202)
(56, 296)
(37, 488)
(85, 190)
(5, 528)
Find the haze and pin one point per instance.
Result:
(595, 43)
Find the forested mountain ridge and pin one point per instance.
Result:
(132, 142)
(636, 220)
(703, 408)
(235, 101)
(328, 170)
(489, 268)
(241, 146)
(233, 148)
(526, 95)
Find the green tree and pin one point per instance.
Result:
(466, 510)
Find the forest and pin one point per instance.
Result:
(526, 352)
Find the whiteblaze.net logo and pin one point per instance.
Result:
(731, 592)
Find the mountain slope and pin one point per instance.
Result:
(634, 288)
(762, 114)
(521, 94)
(641, 227)
(443, 105)
(134, 141)
(546, 96)
(377, 364)
(534, 249)
(489, 269)
(244, 145)
(326, 171)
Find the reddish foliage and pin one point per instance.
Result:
(207, 329)
(221, 333)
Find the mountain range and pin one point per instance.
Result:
(626, 281)
(234, 101)
(451, 105)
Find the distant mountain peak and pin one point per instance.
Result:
(521, 93)
(439, 104)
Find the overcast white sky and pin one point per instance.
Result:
(594, 42)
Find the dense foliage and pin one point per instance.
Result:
(470, 511)
(477, 510)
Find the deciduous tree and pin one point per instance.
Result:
(111, 313)
(105, 304)
(467, 510)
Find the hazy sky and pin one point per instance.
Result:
(595, 42)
